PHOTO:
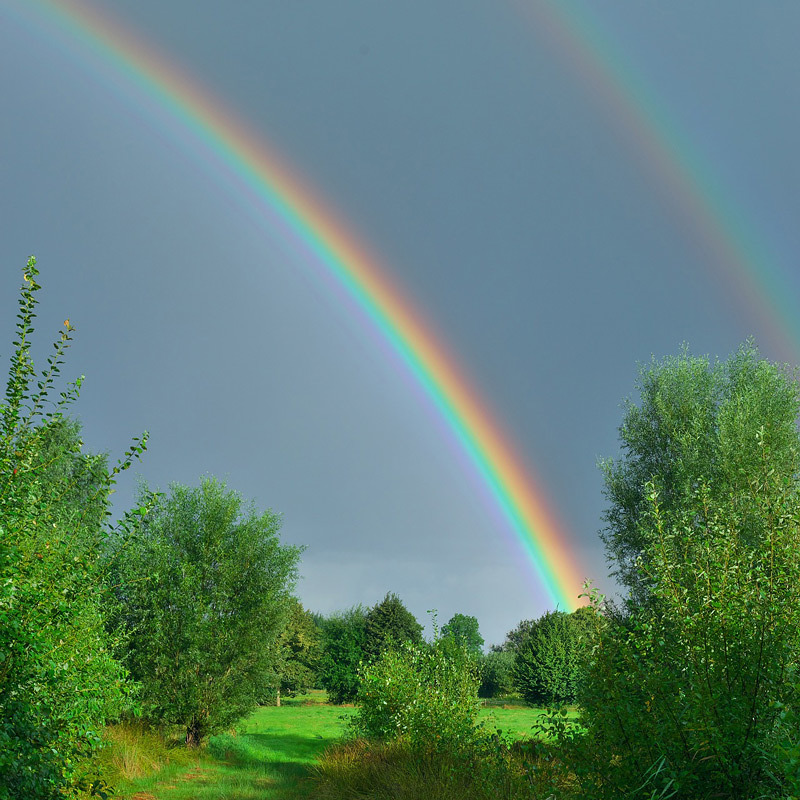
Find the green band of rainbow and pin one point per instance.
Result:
(736, 251)
(281, 194)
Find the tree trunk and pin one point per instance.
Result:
(278, 700)
(193, 734)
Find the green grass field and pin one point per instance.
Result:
(270, 754)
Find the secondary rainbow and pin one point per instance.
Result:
(736, 250)
(273, 190)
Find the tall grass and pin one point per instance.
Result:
(134, 750)
(371, 770)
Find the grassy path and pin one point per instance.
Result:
(267, 759)
(271, 753)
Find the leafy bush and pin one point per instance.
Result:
(696, 423)
(426, 694)
(59, 682)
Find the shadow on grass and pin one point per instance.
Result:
(288, 752)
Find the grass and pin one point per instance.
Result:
(270, 756)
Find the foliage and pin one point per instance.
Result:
(691, 693)
(297, 654)
(547, 664)
(343, 637)
(426, 694)
(389, 623)
(58, 680)
(516, 637)
(495, 671)
(696, 423)
(465, 631)
(202, 590)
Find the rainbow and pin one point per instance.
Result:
(274, 191)
(737, 253)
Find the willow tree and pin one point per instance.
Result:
(203, 588)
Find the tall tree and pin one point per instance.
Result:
(390, 623)
(464, 630)
(697, 423)
(547, 665)
(694, 687)
(58, 680)
(297, 654)
(343, 638)
(203, 590)
(496, 673)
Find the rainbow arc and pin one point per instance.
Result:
(249, 165)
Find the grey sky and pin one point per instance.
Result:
(462, 145)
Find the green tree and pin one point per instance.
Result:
(692, 692)
(59, 683)
(465, 631)
(297, 654)
(343, 638)
(389, 623)
(696, 424)
(496, 674)
(516, 637)
(203, 589)
(547, 665)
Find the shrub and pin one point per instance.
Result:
(691, 689)
(59, 682)
(426, 694)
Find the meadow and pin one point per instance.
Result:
(270, 755)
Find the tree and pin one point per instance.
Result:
(696, 424)
(297, 654)
(465, 631)
(692, 689)
(343, 637)
(496, 676)
(389, 623)
(547, 665)
(516, 637)
(59, 682)
(203, 589)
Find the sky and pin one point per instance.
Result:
(561, 191)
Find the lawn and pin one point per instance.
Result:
(269, 755)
